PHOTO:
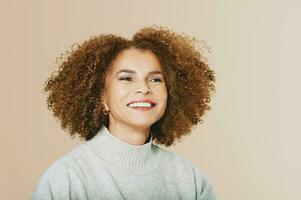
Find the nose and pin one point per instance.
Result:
(143, 88)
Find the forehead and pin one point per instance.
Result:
(136, 59)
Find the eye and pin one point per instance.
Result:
(157, 79)
(125, 78)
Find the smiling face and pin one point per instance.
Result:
(135, 75)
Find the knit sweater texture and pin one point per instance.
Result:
(107, 167)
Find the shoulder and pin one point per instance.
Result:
(204, 189)
(55, 182)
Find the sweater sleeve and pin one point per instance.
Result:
(59, 182)
(203, 186)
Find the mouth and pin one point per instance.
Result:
(141, 106)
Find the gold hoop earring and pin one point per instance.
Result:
(105, 112)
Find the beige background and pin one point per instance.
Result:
(249, 144)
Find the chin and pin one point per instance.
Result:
(142, 123)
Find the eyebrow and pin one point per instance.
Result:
(134, 72)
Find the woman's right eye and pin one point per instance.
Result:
(125, 78)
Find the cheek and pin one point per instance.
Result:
(120, 95)
(162, 91)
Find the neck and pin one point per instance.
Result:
(131, 135)
(134, 158)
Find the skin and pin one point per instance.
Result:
(130, 125)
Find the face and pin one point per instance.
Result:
(135, 76)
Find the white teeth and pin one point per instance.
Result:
(134, 105)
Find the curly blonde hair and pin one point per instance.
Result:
(75, 89)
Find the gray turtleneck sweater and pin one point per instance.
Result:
(106, 167)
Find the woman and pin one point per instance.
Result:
(121, 96)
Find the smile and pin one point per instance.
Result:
(141, 106)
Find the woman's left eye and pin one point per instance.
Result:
(157, 79)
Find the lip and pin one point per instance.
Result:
(143, 101)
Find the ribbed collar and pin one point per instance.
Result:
(137, 159)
